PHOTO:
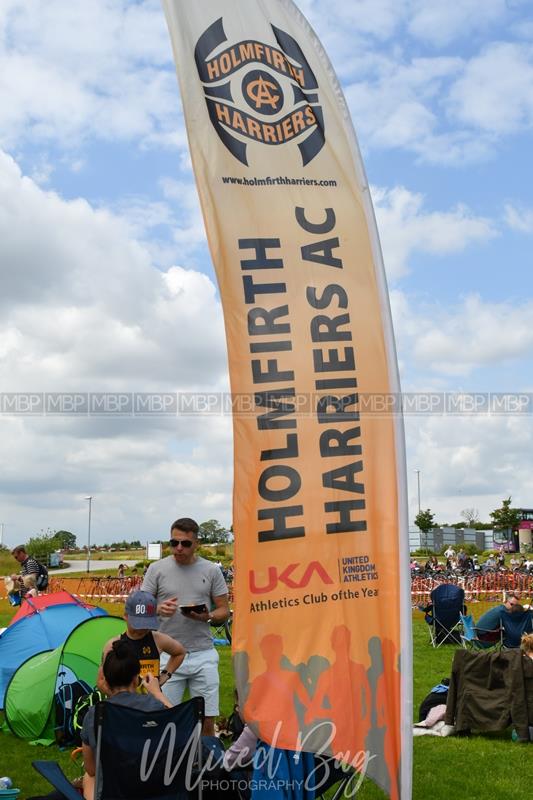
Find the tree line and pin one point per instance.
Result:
(503, 518)
(211, 532)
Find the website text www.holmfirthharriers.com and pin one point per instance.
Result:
(279, 180)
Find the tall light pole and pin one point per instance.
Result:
(90, 499)
(1, 533)
(418, 485)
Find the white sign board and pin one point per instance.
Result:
(154, 551)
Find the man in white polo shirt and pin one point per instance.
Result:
(181, 582)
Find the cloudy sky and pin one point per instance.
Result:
(107, 284)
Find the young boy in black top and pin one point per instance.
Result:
(147, 643)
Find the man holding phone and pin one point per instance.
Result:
(191, 594)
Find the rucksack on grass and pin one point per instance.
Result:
(81, 708)
(66, 697)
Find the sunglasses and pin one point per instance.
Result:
(184, 543)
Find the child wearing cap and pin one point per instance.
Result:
(140, 613)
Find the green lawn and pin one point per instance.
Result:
(462, 768)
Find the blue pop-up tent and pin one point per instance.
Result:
(43, 630)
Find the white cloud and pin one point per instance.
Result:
(472, 335)
(83, 307)
(400, 104)
(82, 299)
(379, 18)
(142, 477)
(495, 93)
(108, 73)
(84, 310)
(406, 227)
(519, 219)
(440, 23)
(469, 461)
(101, 63)
(375, 19)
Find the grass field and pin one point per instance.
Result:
(462, 768)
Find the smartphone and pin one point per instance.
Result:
(198, 609)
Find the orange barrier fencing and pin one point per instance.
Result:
(96, 588)
(480, 588)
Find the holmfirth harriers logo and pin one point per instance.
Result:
(259, 92)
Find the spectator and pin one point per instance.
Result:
(509, 616)
(144, 638)
(28, 566)
(120, 571)
(490, 563)
(431, 564)
(121, 677)
(490, 620)
(449, 553)
(185, 579)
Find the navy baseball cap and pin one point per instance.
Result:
(141, 609)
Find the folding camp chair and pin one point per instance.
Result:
(142, 755)
(335, 775)
(285, 772)
(514, 625)
(222, 632)
(443, 615)
(476, 638)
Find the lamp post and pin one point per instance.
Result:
(90, 499)
(419, 509)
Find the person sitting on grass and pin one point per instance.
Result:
(140, 613)
(121, 677)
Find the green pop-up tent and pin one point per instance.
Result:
(29, 703)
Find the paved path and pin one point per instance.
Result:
(81, 566)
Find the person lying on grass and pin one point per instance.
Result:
(146, 641)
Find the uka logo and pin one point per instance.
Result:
(292, 576)
(259, 92)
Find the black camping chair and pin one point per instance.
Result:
(142, 755)
(444, 614)
(328, 774)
